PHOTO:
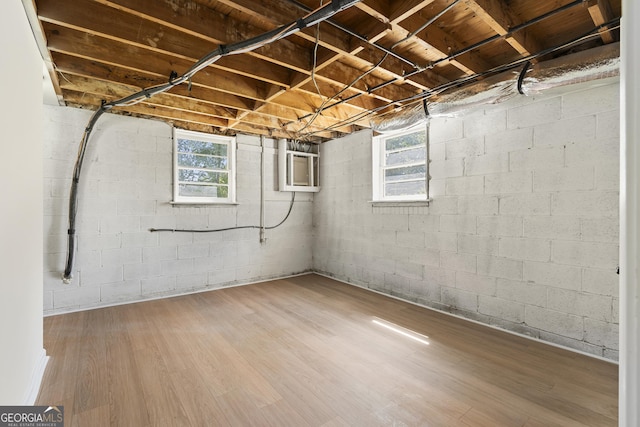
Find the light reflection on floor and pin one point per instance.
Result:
(402, 331)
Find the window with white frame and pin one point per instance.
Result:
(400, 166)
(203, 167)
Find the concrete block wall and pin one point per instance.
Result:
(522, 229)
(127, 189)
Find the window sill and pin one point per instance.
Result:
(399, 203)
(202, 204)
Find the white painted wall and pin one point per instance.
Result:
(522, 232)
(126, 189)
(629, 389)
(22, 357)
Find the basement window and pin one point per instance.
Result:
(400, 166)
(203, 168)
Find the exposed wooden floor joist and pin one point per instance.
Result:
(326, 80)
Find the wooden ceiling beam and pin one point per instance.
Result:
(365, 56)
(108, 49)
(90, 93)
(404, 9)
(199, 128)
(144, 109)
(272, 122)
(392, 67)
(290, 125)
(116, 91)
(275, 14)
(66, 64)
(404, 21)
(64, 40)
(372, 30)
(104, 21)
(241, 31)
(76, 43)
(288, 115)
(377, 9)
(501, 19)
(330, 38)
(387, 94)
(330, 67)
(200, 21)
(325, 88)
(392, 12)
(87, 101)
(601, 12)
(439, 45)
(212, 102)
(279, 133)
(325, 35)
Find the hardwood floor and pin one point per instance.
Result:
(306, 351)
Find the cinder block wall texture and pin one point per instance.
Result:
(521, 232)
(522, 229)
(127, 189)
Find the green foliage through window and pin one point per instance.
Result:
(403, 166)
(203, 166)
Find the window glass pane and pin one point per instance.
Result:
(187, 190)
(203, 167)
(413, 155)
(408, 188)
(405, 173)
(401, 170)
(201, 147)
(193, 175)
(198, 161)
(404, 141)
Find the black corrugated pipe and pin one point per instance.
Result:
(315, 17)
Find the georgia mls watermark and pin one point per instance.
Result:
(31, 416)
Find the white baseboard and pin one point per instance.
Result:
(171, 294)
(36, 379)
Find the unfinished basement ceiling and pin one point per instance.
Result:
(319, 83)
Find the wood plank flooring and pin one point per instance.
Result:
(306, 351)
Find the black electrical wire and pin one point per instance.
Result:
(215, 230)
(359, 36)
(73, 200)
(426, 24)
(315, 58)
(463, 80)
(523, 72)
(321, 14)
(320, 109)
(609, 26)
(451, 56)
(466, 79)
(509, 33)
